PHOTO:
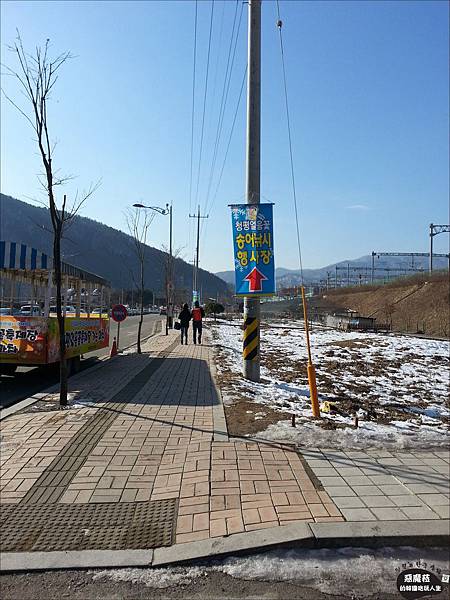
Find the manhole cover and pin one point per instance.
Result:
(102, 526)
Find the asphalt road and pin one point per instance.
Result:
(31, 380)
(80, 585)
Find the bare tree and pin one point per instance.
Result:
(138, 222)
(36, 75)
(169, 277)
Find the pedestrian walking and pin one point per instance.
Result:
(197, 325)
(184, 317)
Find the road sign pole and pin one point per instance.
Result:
(251, 351)
(118, 335)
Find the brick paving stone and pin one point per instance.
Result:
(442, 511)
(218, 527)
(251, 516)
(389, 513)
(185, 524)
(235, 524)
(193, 509)
(153, 453)
(192, 537)
(377, 501)
(419, 512)
(256, 526)
(338, 491)
(349, 502)
(358, 514)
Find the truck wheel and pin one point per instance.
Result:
(7, 369)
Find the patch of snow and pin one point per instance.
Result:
(368, 435)
(344, 571)
(395, 373)
(155, 578)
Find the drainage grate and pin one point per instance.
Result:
(102, 526)
(53, 482)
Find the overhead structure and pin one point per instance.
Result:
(410, 254)
(436, 230)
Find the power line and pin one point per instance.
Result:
(193, 112)
(288, 120)
(204, 100)
(229, 138)
(225, 91)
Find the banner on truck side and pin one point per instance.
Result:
(254, 264)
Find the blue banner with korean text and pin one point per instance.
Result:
(254, 264)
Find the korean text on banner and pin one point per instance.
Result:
(254, 263)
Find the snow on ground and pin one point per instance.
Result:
(346, 571)
(397, 385)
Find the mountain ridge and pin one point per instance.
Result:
(100, 249)
(291, 277)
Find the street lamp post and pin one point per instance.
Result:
(169, 282)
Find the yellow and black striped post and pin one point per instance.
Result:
(250, 350)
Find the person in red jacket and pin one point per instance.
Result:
(197, 315)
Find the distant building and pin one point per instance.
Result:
(350, 321)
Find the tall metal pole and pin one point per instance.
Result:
(169, 283)
(198, 248)
(373, 267)
(198, 216)
(431, 247)
(252, 321)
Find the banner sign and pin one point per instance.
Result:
(23, 339)
(254, 264)
(82, 335)
(35, 340)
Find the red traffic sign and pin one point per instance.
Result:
(119, 313)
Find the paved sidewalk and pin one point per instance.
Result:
(142, 460)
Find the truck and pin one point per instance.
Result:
(30, 336)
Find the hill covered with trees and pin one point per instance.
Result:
(100, 249)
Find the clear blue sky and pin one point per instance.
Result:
(369, 95)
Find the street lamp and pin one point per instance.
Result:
(158, 209)
(169, 283)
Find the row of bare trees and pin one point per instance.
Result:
(36, 75)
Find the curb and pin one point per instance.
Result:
(219, 420)
(18, 406)
(374, 534)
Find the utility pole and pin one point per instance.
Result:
(198, 216)
(169, 283)
(252, 321)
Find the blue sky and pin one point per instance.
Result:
(369, 95)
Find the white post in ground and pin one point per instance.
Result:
(251, 361)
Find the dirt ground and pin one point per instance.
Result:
(78, 585)
(415, 305)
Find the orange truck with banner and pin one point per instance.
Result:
(29, 332)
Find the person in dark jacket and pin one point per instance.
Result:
(197, 315)
(184, 317)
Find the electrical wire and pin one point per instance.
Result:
(288, 120)
(203, 233)
(230, 137)
(204, 101)
(225, 92)
(193, 113)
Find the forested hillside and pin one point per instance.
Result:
(98, 248)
